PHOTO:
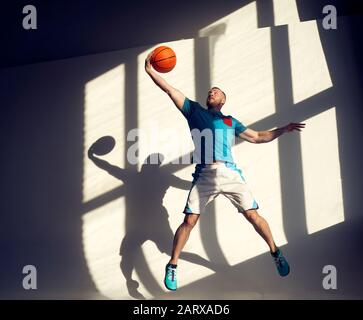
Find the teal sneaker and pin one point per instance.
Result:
(282, 265)
(170, 277)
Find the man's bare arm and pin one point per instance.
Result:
(267, 136)
(175, 95)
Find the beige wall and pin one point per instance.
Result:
(69, 217)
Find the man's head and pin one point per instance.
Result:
(216, 98)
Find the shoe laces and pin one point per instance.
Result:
(279, 260)
(171, 274)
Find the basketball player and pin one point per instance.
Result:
(217, 174)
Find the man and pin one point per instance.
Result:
(215, 171)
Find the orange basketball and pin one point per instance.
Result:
(163, 59)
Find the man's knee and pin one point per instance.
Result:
(252, 215)
(190, 220)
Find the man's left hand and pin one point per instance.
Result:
(294, 126)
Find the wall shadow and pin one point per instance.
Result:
(146, 217)
(203, 51)
(84, 27)
(43, 173)
(42, 225)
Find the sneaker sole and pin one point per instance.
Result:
(168, 287)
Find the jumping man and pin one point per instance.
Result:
(216, 173)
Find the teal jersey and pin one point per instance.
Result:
(212, 132)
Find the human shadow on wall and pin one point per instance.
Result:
(143, 189)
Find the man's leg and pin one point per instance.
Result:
(263, 229)
(261, 226)
(203, 191)
(180, 239)
(182, 235)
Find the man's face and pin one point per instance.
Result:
(215, 98)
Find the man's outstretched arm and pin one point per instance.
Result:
(267, 136)
(175, 95)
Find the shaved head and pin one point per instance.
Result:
(216, 98)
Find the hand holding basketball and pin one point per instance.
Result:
(148, 61)
(162, 59)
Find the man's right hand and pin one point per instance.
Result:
(175, 95)
(148, 62)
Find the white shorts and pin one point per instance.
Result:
(211, 180)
